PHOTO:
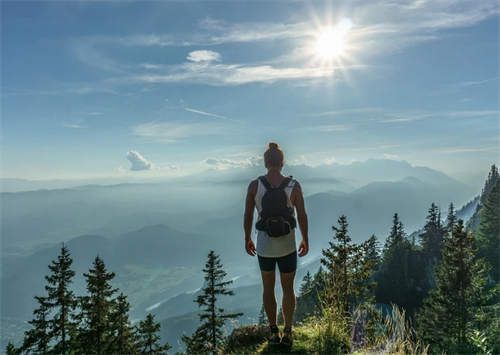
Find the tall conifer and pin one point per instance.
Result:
(449, 313)
(209, 337)
(96, 310)
(61, 302)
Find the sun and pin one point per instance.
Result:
(331, 42)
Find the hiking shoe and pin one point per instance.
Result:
(274, 336)
(287, 339)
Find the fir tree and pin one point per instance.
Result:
(449, 312)
(396, 236)
(371, 250)
(394, 281)
(61, 302)
(347, 272)
(36, 340)
(432, 237)
(148, 341)
(451, 219)
(309, 303)
(369, 261)
(209, 337)
(306, 285)
(96, 309)
(490, 182)
(122, 333)
(10, 349)
(488, 233)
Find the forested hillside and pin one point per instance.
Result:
(431, 291)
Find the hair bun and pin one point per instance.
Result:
(273, 145)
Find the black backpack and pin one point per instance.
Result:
(276, 218)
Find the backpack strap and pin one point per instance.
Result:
(285, 182)
(266, 183)
(282, 186)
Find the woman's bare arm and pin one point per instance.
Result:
(298, 202)
(248, 217)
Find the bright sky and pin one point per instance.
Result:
(157, 88)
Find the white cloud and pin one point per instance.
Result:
(223, 164)
(203, 56)
(234, 74)
(380, 27)
(138, 161)
(173, 131)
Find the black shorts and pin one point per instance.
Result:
(287, 263)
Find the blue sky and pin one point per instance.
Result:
(154, 88)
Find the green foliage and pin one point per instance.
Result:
(432, 237)
(61, 300)
(308, 300)
(148, 340)
(450, 311)
(36, 340)
(398, 337)
(209, 337)
(10, 349)
(122, 336)
(248, 337)
(490, 182)
(488, 233)
(330, 332)
(402, 273)
(349, 268)
(101, 327)
(94, 334)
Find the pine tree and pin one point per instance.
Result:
(306, 285)
(347, 272)
(61, 301)
(449, 312)
(432, 237)
(36, 340)
(371, 247)
(396, 235)
(488, 233)
(262, 316)
(10, 349)
(148, 341)
(451, 219)
(393, 280)
(489, 184)
(369, 258)
(96, 309)
(309, 303)
(122, 333)
(208, 338)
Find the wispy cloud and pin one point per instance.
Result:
(173, 131)
(204, 113)
(329, 128)
(234, 74)
(405, 117)
(345, 111)
(73, 125)
(459, 150)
